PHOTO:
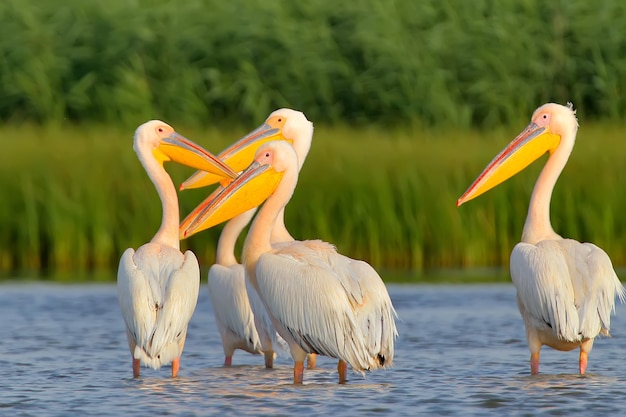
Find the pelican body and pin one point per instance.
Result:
(565, 289)
(229, 298)
(314, 296)
(157, 284)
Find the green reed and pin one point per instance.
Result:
(445, 62)
(74, 198)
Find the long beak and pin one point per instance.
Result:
(248, 190)
(180, 149)
(528, 146)
(241, 153)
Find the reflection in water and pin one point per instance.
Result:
(461, 351)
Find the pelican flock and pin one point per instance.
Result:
(157, 284)
(565, 289)
(304, 294)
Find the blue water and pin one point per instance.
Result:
(461, 351)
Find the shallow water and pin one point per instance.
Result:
(461, 351)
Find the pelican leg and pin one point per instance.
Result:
(585, 348)
(136, 368)
(534, 363)
(228, 360)
(269, 358)
(311, 361)
(342, 369)
(298, 372)
(582, 362)
(175, 367)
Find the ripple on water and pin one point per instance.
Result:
(461, 351)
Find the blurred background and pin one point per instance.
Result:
(410, 100)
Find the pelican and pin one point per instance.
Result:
(157, 284)
(565, 289)
(239, 312)
(227, 290)
(314, 296)
(292, 126)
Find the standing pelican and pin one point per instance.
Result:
(312, 294)
(565, 289)
(227, 290)
(295, 128)
(158, 285)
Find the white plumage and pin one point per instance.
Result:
(229, 298)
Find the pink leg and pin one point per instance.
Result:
(136, 367)
(342, 369)
(582, 362)
(269, 358)
(298, 372)
(311, 361)
(228, 360)
(534, 363)
(175, 367)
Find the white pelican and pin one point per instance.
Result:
(158, 285)
(295, 128)
(229, 298)
(565, 289)
(317, 301)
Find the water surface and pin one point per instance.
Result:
(461, 351)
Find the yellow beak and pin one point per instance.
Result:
(248, 190)
(178, 148)
(528, 146)
(241, 153)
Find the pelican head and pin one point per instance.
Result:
(168, 145)
(250, 189)
(553, 126)
(282, 124)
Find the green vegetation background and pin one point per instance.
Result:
(410, 99)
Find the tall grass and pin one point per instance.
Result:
(75, 197)
(200, 62)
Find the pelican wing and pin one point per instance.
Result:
(270, 339)
(227, 290)
(136, 299)
(324, 255)
(180, 298)
(376, 314)
(308, 300)
(609, 284)
(544, 288)
(595, 285)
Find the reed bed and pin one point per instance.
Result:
(409, 100)
(75, 197)
(200, 62)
